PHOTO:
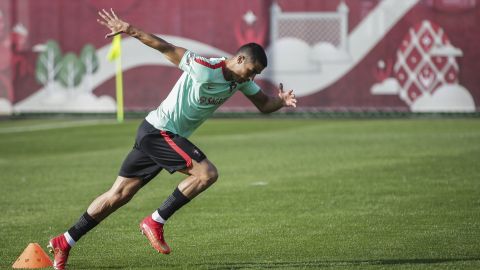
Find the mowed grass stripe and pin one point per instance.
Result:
(28, 126)
(340, 194)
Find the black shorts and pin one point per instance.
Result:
(155, 150)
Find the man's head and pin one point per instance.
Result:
(248, 61)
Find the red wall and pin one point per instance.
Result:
(73, 24)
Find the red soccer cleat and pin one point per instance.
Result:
(60, 249)
(154, 233)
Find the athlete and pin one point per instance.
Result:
(161, 141)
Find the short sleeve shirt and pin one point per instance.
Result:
(199, 91)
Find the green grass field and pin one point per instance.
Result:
(292, 194)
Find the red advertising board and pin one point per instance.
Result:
(409, 55)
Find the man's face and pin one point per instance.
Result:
(246, 70)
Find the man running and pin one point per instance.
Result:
(161, 141)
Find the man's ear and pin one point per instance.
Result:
(240, 59)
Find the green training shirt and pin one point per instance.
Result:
(200, 90)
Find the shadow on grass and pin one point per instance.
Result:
(297, 264)
(320, 264)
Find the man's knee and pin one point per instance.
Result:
(208, 176)
(212, 175)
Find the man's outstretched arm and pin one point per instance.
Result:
(268, 104)
(173, 53)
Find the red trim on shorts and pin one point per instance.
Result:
(217, 65)
(177, 149)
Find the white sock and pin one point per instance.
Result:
(156, 216)
(70, 240)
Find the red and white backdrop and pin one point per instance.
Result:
(409, 55)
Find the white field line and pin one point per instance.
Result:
(54, 126)
(260, 183)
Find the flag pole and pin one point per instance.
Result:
(119, 86)
(115, 54)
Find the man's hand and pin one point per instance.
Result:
(288, 98)
(267, 104)
(113, 23)
(173, 53)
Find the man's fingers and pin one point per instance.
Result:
(288, 98)
(112, 34)
(102, 22)
(107, 14)
(113, 13)
(103, 16)
(106, 25)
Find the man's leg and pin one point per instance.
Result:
(119, 194)
(201, 175)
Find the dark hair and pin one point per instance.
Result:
(255, 52)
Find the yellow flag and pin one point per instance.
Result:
(115, 54)
(116, 49)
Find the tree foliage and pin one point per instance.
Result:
(68, 69)
(48, 63)
(89, 58)
(72, 71)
